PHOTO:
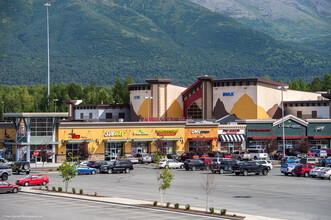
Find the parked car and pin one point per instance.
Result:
(171, 163)
(320, 153)
(288, 159)
(325, 173)
(328, 151)
(266, 163)
(287, 168)
(279, 156)
(250, 167)
(226, 155)
(33, 179)
(117, 166)
(188, 155)
(225, 165)
(328, 161)
(241, 155)
(7, 187)
(258, 155)
(5, 172)
(96, 164)
(84, 169)
(313, 173)
(145, 158)
(194, 164)
(207, 160)
(133, 159)
(21, 167)
(303, 169)
(173, 156)
(310, 160)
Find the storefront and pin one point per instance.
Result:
(319, 133)
(231, 138)
(201, 137)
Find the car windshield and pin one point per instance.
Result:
(111, 162)
(28, 177)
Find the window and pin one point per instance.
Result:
(314, 114)
(121, 115)
(109, 115)
(81, 115)
(299, 114)
(90, 115)
(41, 126)
(71, 148)
(136, 97)
(195, 109)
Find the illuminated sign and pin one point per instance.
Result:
(228, 93)
(319, 128)
(166, 132)
(200, 131)
(141, 132)
(290, 126)
(114, 133)
(75, 136)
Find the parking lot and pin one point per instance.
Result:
(274, 195)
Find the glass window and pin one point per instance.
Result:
(81, 115)
(113, 150)
(41, 127)
(90, 115)
(121, 115)
(139, 147)
(109, 115)
(71, 148)
(195, 109)
(34, 148)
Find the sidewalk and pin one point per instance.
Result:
(124, 201)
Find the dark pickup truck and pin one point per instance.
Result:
(223, 166)
(250, 167)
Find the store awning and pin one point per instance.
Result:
(78, 141)
(117, 140)
(144, 140)
(32, 143)
(172, 139)
(202, 139)
(232, 137)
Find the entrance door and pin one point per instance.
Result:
(113, 154)
(139, 150)
(230, 147)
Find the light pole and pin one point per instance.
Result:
(47, 5)
(55, 100)
(282, 88)
(148, 97)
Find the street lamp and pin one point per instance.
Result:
(148, 97)
(282, 88)
(55, 100)
(47, 5)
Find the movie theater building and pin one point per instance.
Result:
(108, 141)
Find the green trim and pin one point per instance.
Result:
(144, 140)
(117, 140)
(78, 141)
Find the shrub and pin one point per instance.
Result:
(168, 204)
(211, 210)
(187, 206)
(53, 188)
(73, 190)
(46, 187)
(234, 215)
(50, 169)
(59, 189)
(95, 194)
(155, 203)
(176, 205)
(81, 191)
(223, 211)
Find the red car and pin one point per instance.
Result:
(33, 179)
(207, 160)
(303, 169)
(7, 187)
(226, 155)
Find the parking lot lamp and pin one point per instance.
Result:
(282, 88)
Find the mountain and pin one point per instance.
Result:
(97, 41)
(304, 22)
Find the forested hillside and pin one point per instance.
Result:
(98, 41)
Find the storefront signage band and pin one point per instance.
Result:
(114, 133)
(166, 132)
(200, 131)
(290, 126)
(259, 129)
(141, 132)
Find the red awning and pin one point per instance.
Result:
(320, 137)
(202, 139)
(257, 138)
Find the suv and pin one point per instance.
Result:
(241, 155)
(287, 168)
(223, 166)
(117, 166)
(194, 164)
(20, 167)
(250, 167)
(310, 160)
(266, 163)
(303, 169)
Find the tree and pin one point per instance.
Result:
(68, 171)
(165, 178)
(83, 151)
(270, 146)
(45, 153)
(126, 92)
(302, 146)
(117, 91)
(208, 185)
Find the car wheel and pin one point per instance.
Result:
(26, 183)
(93, 172)
(186, 169)
(181, 167)
(18, 172)
(237, 174)
(245, 173)
(4, 176)
(194, 168)
(306, 174)
(110, 171)
(286, 174)
(44, 183)
(265, 172)
(15, 190)
(330, 177)
(27, 172)
(221, 171)
(127, 170)
(292, 173)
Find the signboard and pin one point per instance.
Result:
(114, 133)
(228, 93)
(166, 132)
(290, 126)
(259, 130)
(200, 131)
(141, 132)
(75, 136)
(36, 153)
(319, 128)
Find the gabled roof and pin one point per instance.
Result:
(293, 118)
(191, 87)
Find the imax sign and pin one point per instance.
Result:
(228, 93)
